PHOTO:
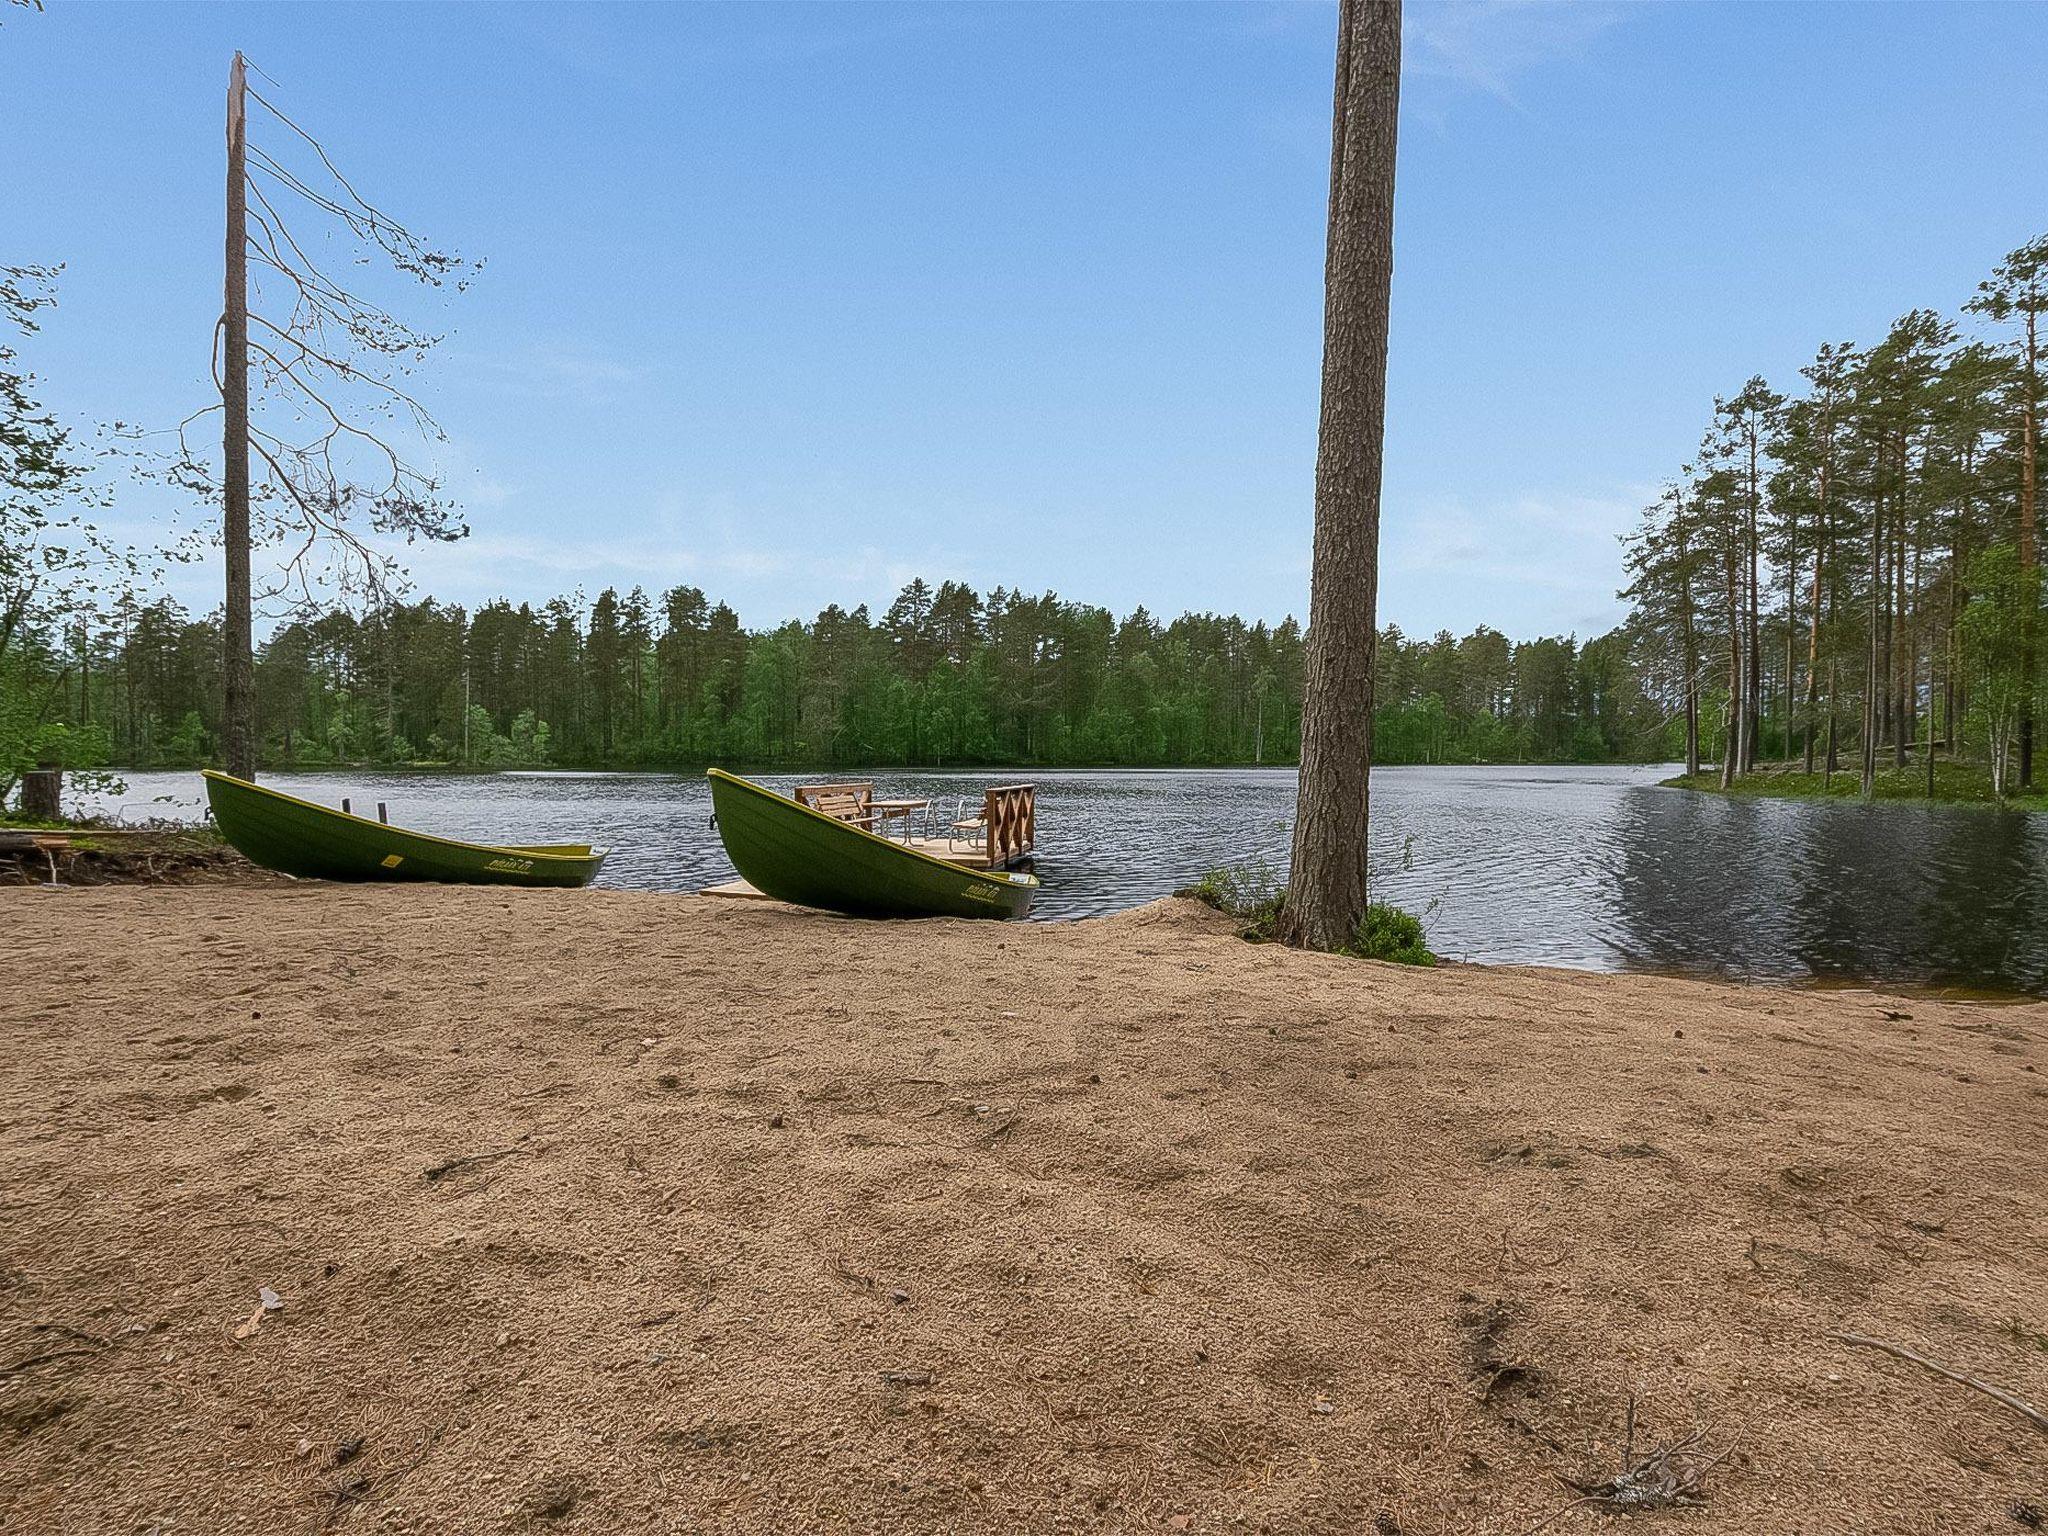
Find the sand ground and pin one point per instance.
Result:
(609, 1212)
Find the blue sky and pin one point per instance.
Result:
(794, 302)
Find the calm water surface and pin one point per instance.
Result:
(1590, 867)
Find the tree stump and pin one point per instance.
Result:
(42, 793)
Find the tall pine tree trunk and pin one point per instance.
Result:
(1903, 664)
(1731, 747)
(1692, 671)
(1326, 889)
(1833, 760)
(2030, 432)
(1872, 680)
(1755, 706)
(1820, 561)
(1791, 632)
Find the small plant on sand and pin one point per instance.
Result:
(2023, 1333)
(1250, 891)
(1253, 894)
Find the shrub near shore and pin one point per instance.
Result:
(1254, 895)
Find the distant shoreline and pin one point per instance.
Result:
(1953, 785)
(824, 771)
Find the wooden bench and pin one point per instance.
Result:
(842, 802)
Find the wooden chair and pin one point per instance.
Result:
(1007, 827)
(842, 802)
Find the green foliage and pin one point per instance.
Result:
(191, 743)
(1388, 933)
(524, 746)
(57, 573)
(529, 740)
(1829, 567)
(948, 677)
(1876, 502)
(1998, 631)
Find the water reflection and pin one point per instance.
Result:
(1948, 896)
(1593, 867)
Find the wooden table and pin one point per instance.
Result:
(885, 811)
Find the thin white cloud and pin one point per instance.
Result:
(1487, 44)
(549, 371)
(1469, 45)
(1440, 556)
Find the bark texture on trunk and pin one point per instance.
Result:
(1874, 641)
(1833, 757)
(1731, 746)
(2030, 431)
(1791, 632)
(238, 661)
(1753, 714)
(1326, 888)
(1820, 561)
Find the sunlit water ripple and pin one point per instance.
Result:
(1590, 867)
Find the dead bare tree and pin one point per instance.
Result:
(313, 405)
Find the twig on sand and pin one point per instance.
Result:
(397, 1475)
(440, 1171)
(1671, 1477)
(44, 1358)
(356, 1489)
(1996, 1394)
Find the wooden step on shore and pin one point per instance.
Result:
(737, 889)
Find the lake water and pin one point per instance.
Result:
(1591, 867)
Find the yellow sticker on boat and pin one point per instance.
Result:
(393, 860)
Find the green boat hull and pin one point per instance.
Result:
(796, 854)
(297, 837)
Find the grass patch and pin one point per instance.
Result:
(1253, 895)
(1238, 889)
(1954, 784)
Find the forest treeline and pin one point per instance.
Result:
(1844, 576)
(944, 676)
(1853, 568)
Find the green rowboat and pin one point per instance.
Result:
(297, 837)
(794, 853)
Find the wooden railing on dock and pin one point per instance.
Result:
(1009, 815)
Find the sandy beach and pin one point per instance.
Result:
(632, 1213)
